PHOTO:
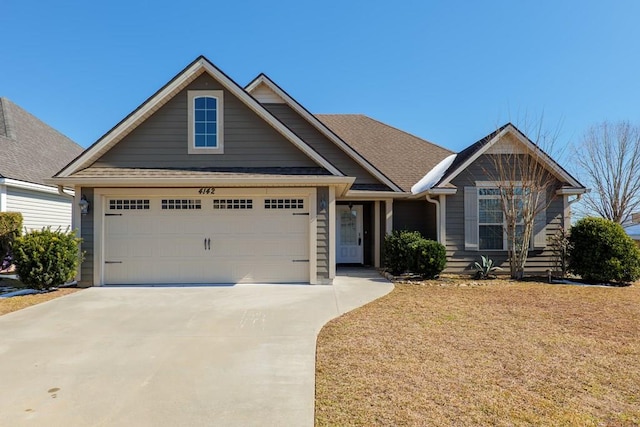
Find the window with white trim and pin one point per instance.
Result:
(206, 125)
(284, 203)
(492, 221)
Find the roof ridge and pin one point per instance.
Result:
(6, 129)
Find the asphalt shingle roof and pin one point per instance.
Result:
(31, 150)
(402, 157)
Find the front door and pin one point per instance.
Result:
(349, 235)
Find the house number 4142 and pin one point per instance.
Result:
(207, 190)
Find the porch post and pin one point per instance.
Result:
(389, 215)
(332, 232)
(376, 234)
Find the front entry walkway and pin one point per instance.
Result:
(166, 356)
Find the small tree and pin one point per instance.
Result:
(608, 160)
(46, 258)
(524, 182)
(559, 244)
(601, 251)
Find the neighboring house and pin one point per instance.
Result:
(634, 232)
(31, 152)
(211, 182)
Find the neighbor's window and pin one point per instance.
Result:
(205, 121)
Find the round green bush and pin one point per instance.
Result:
(396, 250)
(601, 251)
(407, 251)
(46, 258)
(428, 258)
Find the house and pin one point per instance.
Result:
(32, 152)
(633, 230)
(211, 182)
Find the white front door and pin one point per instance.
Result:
(349, 235)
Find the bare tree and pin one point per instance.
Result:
(526, 189)
(608, 161)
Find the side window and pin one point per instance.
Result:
(206, 122)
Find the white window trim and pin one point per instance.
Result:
(219, 96)
(492, 185)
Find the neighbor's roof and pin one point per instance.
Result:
(403, 157)
(31, 150)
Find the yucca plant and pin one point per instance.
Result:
(486, 270)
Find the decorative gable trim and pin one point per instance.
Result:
(256, 87)
(179, 82)
(554, 167)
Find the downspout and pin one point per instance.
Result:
(437, 203)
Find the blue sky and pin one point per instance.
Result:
(447, 71)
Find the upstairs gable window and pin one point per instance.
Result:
(205, 122)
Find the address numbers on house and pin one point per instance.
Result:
(207, 190)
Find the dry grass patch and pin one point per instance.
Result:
(7, 305)
(497, 352)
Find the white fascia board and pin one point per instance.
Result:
(571, 191)
(341, 182)
(552, 165)
(322, 128)
(93, 152)
(132, 122)
(373, 195)
(24, 185)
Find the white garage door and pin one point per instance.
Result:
(206, 240)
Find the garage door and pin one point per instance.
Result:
(206, 240)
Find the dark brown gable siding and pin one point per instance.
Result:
(161, 141)
(461, 261)
(321, 144)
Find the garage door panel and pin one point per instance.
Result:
(170, 245)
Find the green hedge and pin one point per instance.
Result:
(601, 251)
(10, 228)
(407, 251)
(46, 258)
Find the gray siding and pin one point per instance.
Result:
(86, 233)
(321, 144)
(323, 236)
(415, 215)
(461, 261)
(161, 140)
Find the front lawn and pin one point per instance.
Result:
(493, 353)
(7, 305)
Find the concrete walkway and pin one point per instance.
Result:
(172, 356)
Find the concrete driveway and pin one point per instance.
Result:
(172, 356)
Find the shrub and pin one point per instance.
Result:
(408, 251)
(46, 258)
(396, 250)
(601, 251)
(559, 244)
(427, 258)
(10, 228)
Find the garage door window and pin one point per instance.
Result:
(181, 204)
(284, 204)
(232, 204)
(128, 204)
